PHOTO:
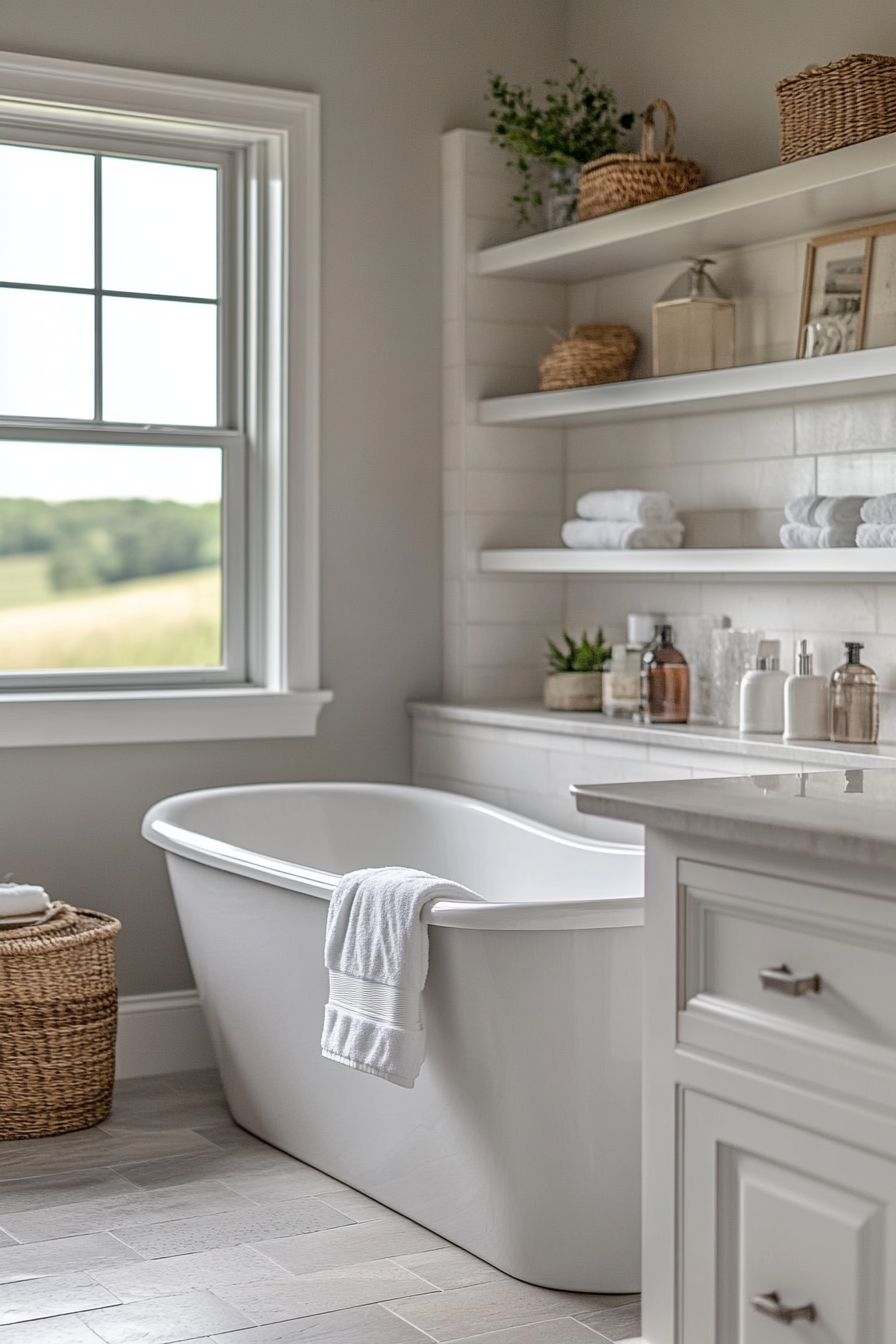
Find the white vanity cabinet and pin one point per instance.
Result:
(769, 1056)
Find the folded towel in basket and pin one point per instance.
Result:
(872, 535)
(881, 509)
(377, 953)
(18, 898)
(798, 537)
(583, 534)
(627, 506)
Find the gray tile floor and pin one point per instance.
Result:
(169, 1223)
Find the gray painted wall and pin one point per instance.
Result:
(717, 62)
(393, 74)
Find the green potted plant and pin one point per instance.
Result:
(578, 121)
(575, 673)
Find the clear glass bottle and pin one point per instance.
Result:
(665, 681)
(855, 698)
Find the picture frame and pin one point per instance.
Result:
(849, 291)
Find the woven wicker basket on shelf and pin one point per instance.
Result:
(834, 105)
(593, 353)
(619, 181)
(58, 1014)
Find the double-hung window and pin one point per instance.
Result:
(158, 406)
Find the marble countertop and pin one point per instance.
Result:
(694, 736)
(847, 815)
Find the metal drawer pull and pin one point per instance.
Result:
(783, 981)
(770, 1304)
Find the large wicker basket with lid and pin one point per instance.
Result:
(58, 1015)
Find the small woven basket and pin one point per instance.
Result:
(593, 353)
(835, 105)
(620, 181)
(58, 1014)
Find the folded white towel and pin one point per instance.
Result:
(377, 953)
(881, 509)
(802, 510)
(627, 506)
(839, 510)
(582, 534)
(873, 535)
(827, 510)
(18, 898)
(798, 537)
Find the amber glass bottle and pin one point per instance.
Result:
(665, 681)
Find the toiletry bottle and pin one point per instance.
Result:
(805, 702)
(622, 682)
(854, 700)
(665, 681)
(762, 692)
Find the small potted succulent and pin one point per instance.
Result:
(575, 675)
(548, 145)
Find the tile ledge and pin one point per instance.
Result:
(697, 737)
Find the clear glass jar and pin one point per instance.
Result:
(665, 681)
(622, 682)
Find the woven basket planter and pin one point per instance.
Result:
(835, 105)
(594, 353)
(58, 1015)
(620, 181)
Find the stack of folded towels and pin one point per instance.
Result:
(19, 901)
(878, 525)
(623, 520)
(825, 521)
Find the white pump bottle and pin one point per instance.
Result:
(805, 702)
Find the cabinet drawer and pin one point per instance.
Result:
(783, 1228)
(815, 961)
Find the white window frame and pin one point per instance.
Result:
(277, 134)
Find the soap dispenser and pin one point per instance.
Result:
(693, 324)
(855, 700)
(762, 692)
(806, 709)
(665, 681)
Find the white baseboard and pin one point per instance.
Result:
(161, 1033)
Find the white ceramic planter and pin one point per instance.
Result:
(573, 690)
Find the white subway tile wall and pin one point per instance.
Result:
(729, 474)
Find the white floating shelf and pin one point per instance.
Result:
(849, 564)
(814, 195)
(860, 373)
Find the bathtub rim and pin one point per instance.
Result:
(591, 913)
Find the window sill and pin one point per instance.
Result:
(68, 718)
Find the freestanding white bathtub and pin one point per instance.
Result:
(521, 1138)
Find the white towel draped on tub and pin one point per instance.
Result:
(377, 953)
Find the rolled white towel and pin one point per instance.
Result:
(17, 898)
(798, 537)
(802, 510)
(870, 536)
(840, 510)
(627, 506)
(582, 534)
(881, 509)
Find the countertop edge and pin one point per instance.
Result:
(529, 716)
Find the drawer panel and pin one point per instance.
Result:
(816, 960)
(783, 1228)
